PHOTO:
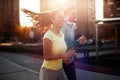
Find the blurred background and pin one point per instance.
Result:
(98, 20)
(19, 19)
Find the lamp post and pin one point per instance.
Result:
(96, 30)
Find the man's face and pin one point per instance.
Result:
(72, 15)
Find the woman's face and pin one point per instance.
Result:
(58, 19)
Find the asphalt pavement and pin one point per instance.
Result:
(22, 67)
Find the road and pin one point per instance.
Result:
(25, 67)
(19, 67)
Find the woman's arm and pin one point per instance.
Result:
(47, 51)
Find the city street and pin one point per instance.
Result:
(26, 67)
(23, 27)
(18, 67)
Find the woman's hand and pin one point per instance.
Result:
(70, 53)
(66, 61)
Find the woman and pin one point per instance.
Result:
(54, 48)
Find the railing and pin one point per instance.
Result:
(105, 21)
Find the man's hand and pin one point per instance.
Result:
(82, 40)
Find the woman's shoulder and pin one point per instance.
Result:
(48, 32)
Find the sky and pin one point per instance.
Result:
(33, 5)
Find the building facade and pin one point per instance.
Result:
(112, 8)
(9, 18)
(86, 17)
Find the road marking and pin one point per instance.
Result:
(31, 70)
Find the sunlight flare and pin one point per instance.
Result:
(99, 9)
(33, 5)
(57, 4)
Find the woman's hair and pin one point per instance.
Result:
(45, 18)
(44, 21)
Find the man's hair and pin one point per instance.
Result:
(68, 9)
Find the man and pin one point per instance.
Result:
(68, 29)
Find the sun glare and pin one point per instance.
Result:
(57, 4)
(33, 5)
(99, 9)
